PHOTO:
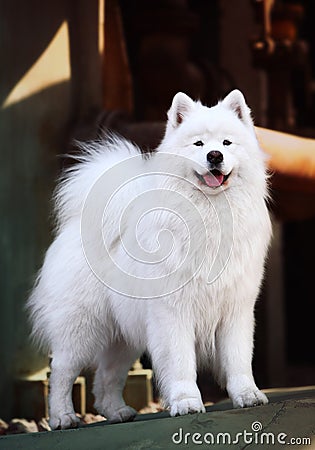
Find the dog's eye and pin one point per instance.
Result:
(226, 142)
(199, 143)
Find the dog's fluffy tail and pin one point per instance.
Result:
(95, 159)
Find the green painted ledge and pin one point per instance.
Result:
(291, 412)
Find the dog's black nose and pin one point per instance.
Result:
(215, 157)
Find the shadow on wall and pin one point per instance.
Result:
(35, 110)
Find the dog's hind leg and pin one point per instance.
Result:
(64, 371)
(110, 377)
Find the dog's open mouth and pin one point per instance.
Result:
(214, 178)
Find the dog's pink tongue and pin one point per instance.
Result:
(214, 180)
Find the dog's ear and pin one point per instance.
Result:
(236, 102)
(182, 106)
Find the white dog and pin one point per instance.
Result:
(163, 253)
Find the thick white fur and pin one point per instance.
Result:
(83, 323)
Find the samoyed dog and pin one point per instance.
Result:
(161, 253)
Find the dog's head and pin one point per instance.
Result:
(219, 142)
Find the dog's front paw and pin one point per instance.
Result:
(185, 398)
(249, 397)
(187, 405)
(123, 414)
(63, 421)
(244, 392)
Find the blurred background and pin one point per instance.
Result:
(70, 69)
